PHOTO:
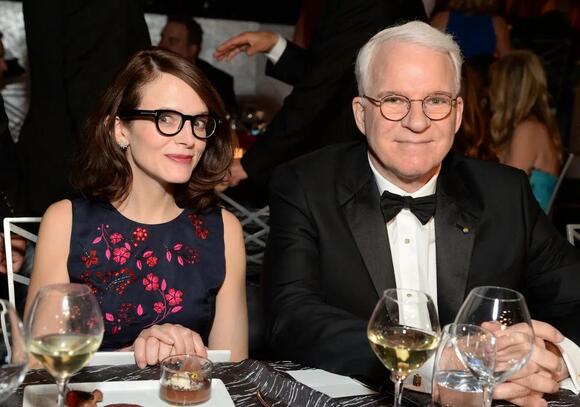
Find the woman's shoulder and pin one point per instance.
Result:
(531, 130)
(59, 210)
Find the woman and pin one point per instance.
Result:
(475, 26)
(166, 264)
(522, 126)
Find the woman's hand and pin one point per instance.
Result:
(156, 343)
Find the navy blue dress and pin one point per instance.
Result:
(142, 274)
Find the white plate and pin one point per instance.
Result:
(143, 392)
(127, 358)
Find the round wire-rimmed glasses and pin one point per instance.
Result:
(170, 122)
(395, 107)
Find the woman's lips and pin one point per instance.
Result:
(180, 158)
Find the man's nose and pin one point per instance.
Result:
(416, 120)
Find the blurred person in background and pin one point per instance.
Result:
(523, 128)
(74, 49)
(184, 36)
(481, 33)
(474, 138)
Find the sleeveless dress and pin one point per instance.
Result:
(543, 185)
(474, 33)
(144, 275)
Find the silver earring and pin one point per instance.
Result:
(123, 145)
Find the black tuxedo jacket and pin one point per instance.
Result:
(318, 111)
(328, 258)
(222, 82)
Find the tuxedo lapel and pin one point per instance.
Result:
(359, 197)
(456, 221)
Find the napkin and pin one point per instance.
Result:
(571, 355)
(331, 384)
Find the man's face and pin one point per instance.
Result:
(408, 152)
(174, 38)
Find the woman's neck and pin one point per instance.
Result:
(149, 203)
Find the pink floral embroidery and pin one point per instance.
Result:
(151, 282)
(122, 254)
(139, 235)
(174, 296)
(90, 258)
(159, 307)
(125, 315)
(115, 238)
(152, 261)
(197, 223)
(184, 254)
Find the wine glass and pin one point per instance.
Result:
(464, 366)
(65, 327)
(403, 332)
(503, 312)
(13, 351)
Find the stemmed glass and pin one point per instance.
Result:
(464, 366)
(13, 351)
(65, 327)
(503, 312)
(403, 332)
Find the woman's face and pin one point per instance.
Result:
(151, 155)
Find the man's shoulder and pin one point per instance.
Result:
(328, 158)
(485, 178)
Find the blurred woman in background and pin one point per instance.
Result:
(523, 128)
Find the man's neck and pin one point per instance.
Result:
(418, 187)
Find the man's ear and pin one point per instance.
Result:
(458, 113)
(358, 110)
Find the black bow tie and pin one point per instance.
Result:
(423, 208)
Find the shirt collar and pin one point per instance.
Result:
(385, 185)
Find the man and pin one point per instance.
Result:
(332, 251)
(316, 113)
(183, 35)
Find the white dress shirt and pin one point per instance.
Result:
(414, 262)
(277, 50)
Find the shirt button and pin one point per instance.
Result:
(407, 241)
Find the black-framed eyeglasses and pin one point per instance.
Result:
(170, 122)
(396, 107)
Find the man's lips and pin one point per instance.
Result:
(180, 158)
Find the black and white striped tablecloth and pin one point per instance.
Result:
(243, 380)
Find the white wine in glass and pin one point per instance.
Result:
(65, 327)
(403, 332)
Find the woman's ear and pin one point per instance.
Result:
(119, 131)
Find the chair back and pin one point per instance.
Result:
(573, 233)
(10, 228)
(563, 173)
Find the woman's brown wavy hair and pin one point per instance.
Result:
(101, 170)
(519, 91)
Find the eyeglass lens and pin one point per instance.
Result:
(171, 123)
(435, 107)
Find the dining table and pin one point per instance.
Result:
(253, 383)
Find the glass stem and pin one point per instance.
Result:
(487, 394)
(62, 389)
(398, 389)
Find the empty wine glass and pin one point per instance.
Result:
(65, 327)
(503, 312)
(13, 351)
(464, 367)
(403, 332)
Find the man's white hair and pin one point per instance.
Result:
(414, 32)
